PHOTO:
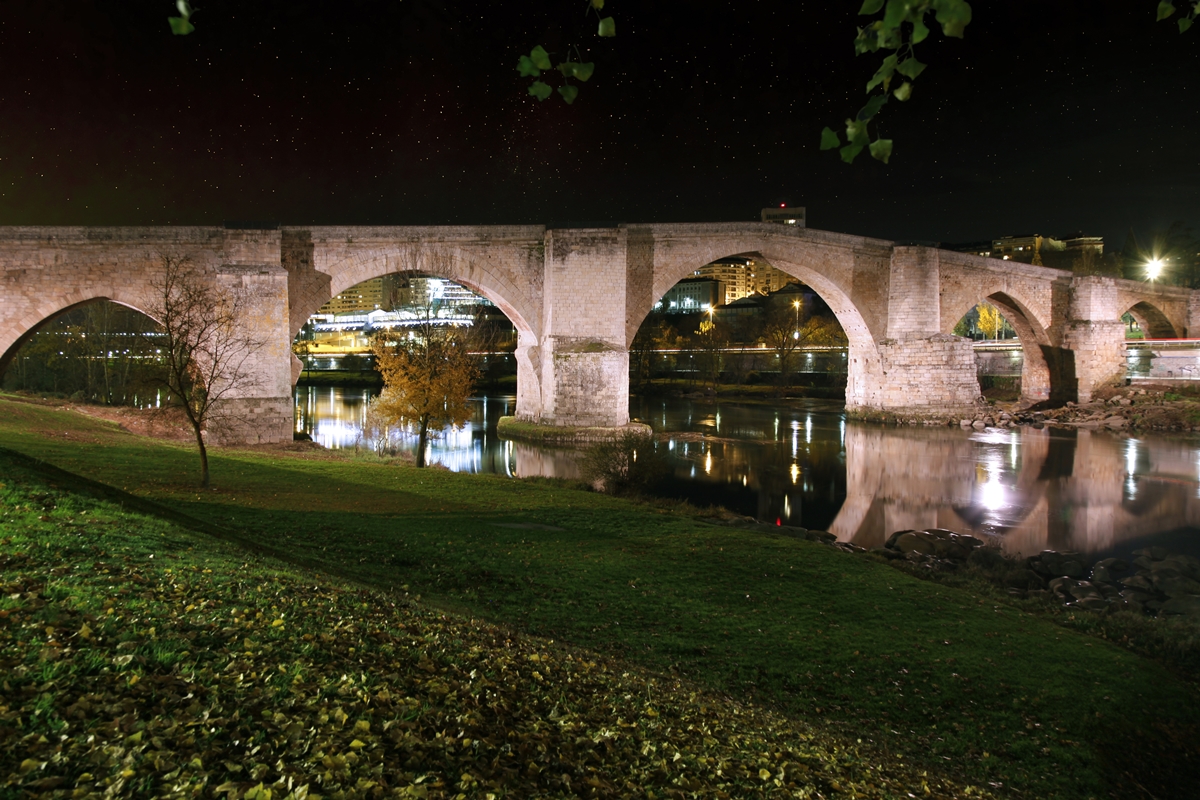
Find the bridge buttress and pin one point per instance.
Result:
(1093, 336)
(921, 369)
(582, 357)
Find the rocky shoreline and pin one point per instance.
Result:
(1156, 583)
(1147, 408)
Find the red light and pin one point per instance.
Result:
(778, 522)
(783, 205)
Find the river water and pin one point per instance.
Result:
(804, 463)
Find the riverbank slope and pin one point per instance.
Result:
(922, 674)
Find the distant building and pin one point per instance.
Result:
(784, 215)
(1043, 251)
(375, 294)
(742, 277)
(691, 295)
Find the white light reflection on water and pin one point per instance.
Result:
(1092, 491)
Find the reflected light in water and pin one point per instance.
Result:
(808, 429)
(795, 471)
(993, 495)
(708, 463)
(1131, 459)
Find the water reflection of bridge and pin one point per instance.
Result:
(1058, 489)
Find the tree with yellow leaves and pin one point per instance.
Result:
(428, 374)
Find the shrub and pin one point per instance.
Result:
(629, 464)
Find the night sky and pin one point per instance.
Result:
(1051, 117)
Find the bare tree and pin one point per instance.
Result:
(781, 333)
(204, 348)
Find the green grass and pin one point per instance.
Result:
(953, 682)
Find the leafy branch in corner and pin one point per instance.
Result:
(1166, 9)
(901, 28)
(182, 25)
(538, 61)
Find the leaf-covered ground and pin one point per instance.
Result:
(144, 660)
(956, 682)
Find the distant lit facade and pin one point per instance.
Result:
(1034, 249)
(783, 215)
(691, 295)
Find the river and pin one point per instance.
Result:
(804, 464)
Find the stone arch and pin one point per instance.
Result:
(46, 309)
(823, 261)
(456, 264)
(1038, 375)
(1153, 321)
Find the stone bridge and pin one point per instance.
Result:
(578, 296)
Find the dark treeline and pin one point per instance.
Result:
(101, 352)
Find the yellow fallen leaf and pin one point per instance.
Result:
(28, 765)
(363, 726)
(357, 744)
(277, 623)
(85, 632)
(764, 774)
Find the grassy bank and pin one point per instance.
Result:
(143, 659)
(923, 674)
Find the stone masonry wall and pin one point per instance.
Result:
(927, 374)
(584, 361)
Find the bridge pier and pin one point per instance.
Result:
(259, 410)
(1094, 337)
(581, 363)
(920, 370)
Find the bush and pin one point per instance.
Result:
(629, 464)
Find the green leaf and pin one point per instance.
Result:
(829, 139)
(884, 73)
(539, 90)
(527, 68)
(850, 152)
(920, 31)
(185, 10)
(870, 6)
(1165, 9)
(872, 107)
(180, 26)
(903, 92)
(573, 70)
(569, 93)
(856, 132)
(881, 150)
(1184, 24)
(607, 27)
(910, 68)
(597, 4)
(539, 57)
(895, 13)
(954, 16)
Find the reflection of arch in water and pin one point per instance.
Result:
(1039, 377)
(1153, 322)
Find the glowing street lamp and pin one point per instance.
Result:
(796, 332)
(1154, 268)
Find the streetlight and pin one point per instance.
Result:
(796, 332)
(1154, 268)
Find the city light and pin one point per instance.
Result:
(1154, 268)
